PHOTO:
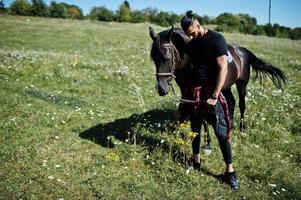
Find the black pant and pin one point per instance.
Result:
(216, 117)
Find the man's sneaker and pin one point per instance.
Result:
(232, 180)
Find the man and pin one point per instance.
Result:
(208, 52)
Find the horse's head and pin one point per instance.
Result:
(166, 58)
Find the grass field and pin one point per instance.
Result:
(80, 119)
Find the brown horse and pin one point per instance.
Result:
(172, 61)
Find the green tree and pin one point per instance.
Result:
(150, 14)
(101, 14)
(205, 19)
(39, 8)
(228, 22)
(58, 10)
(269, 30)
(2, 7)
(20, 7)
(295, 34)
(281, 31)
(124, 13)
(259, 30)
(138, 16)
(248, 24)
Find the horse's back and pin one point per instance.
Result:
(240, 63)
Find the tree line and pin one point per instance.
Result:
(225, 22)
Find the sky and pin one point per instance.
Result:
(283, 12)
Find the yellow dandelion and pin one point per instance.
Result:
(179, 142)
(192, 134)
(182, 125)
(187, 125)
(112, 157)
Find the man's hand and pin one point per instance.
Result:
(211, 102)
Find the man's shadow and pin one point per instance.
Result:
(129, 130)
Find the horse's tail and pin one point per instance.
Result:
(263, 68)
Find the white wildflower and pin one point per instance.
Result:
(272, 185)
(51, 177)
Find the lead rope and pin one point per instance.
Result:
(178, 98)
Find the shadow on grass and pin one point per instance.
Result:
(132, 129)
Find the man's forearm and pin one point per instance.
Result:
(220, 79)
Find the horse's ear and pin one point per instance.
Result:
(152, 34)
(170, 33)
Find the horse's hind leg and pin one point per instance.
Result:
(242, 91)
(207, 138)
(231, 102)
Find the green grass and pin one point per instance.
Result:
(80, 119)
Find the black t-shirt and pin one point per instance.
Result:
(203, 52)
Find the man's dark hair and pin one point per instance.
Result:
(187, 20)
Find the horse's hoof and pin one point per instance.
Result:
(243, 134)
(207, 152)
(194, 165)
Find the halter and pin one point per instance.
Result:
(172, 75)
(175, 56)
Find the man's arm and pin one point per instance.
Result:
(222, 64)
